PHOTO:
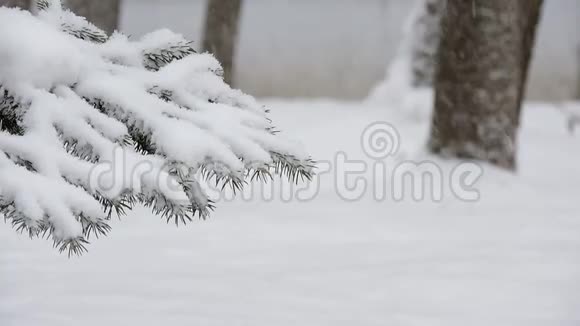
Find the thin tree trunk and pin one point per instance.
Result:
(221, 33)
(24, 4)
(483, 59)
(103, 13)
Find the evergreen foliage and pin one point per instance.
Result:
(71, 96)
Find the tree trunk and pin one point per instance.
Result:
(425, 37)
(24, 4)
(221, 33)
(484, 55)
(103, 13)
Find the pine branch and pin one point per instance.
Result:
(171, 110)
(155, 59)
(11, 112)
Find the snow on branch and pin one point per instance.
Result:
(74, 102)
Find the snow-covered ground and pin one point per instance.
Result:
(511, 258)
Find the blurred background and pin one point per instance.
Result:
(341, 48)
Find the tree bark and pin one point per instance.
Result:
(24, 4)
(483, 58)
(221, 33)
(103, 13)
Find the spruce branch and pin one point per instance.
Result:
(156, 99)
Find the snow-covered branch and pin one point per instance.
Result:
(74, 100)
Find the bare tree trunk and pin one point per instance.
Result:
(24, 4)
(221, 32)
(484, 55)
(103, 13)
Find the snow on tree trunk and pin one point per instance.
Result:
(221, 33)
(103, 13)
(483, 58)
(425, 37)
(24, 4)
(91, 125)
(409, 79)
(529, 23)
